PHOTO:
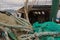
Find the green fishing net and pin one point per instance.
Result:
(47, 27)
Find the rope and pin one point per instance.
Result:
(26, 36)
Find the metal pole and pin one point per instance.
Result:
(54, 9)
(26, 10)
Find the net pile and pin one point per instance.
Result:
(7, 19)
(13, 26)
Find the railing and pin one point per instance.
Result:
(41, 2)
